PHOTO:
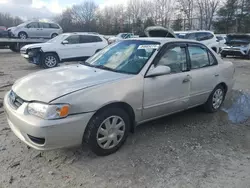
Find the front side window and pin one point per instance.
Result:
(198, 56)
(125, 57)
(73, 39)
(191, 36)
(33, 25)
(175, 58)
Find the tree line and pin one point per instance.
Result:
(8, 21)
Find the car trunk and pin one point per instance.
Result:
(158, 31)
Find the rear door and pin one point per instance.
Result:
(204, 73)
(90, 44)
(45, 30)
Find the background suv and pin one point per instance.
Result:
(36, 29)
(206, 37)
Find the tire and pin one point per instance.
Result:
(211, 105)
(22, 35)
(97, 50)
(54, 35)
(223, 55)
(14, 48)
(50, 60)
(93, 131)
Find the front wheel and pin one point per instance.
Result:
(50, 60)
(54, 35)
(107, 131)
(22, 35)
(215, 99)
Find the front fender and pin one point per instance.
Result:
(91, 99)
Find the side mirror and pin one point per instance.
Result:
(158, 71)
(65, 42)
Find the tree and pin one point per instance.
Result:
(8, 21)
(177, 24)
(187, 7)
(207, 9)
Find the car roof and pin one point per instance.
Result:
(82, 33)
(163, 40)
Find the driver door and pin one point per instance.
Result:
(169, 93)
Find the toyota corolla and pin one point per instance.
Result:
(101, 100)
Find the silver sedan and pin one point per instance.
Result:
(101, 100)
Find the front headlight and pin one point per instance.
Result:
(49, 111)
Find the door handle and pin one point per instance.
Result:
(216, 75)
(187, 79)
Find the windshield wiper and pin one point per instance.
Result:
(105, 68)
(87, 64)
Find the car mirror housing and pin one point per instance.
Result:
(158, 71)
(65, 42)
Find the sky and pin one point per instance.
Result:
(28, 9)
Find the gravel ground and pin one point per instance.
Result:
(188, 149)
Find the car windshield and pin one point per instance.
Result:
(125, 57)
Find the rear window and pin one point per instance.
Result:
(54, 26)
(44, 25)
(90, 39)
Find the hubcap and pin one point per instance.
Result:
(111, 132)
(22, 36)
(50, 61)
(217, 98)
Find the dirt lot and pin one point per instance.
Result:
(189, 149)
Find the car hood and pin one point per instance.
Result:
(38, 45)
(45, 86)
(159, 31)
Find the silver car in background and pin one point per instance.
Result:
(101, 100)
(35, 29)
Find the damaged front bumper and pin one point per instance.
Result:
(32, 55)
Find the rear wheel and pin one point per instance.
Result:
(215, 99)
(107, 131)
(22, 35)
(223, 55)
(54, 35)
(50, 60)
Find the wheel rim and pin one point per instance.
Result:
(23, 36)
(111, 132)
(217, 98)
(50, 61)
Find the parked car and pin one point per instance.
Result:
(36, 29)
(222, 41)
(65, 47)
(120, 36)
(237, 45)
(101, 100)
(3, 31)
(206, 37)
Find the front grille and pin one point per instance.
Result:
(15, 100)
(37, 140)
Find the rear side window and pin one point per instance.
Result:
(200, 57)
(73, 39)
(33, 25)
(204, 36)
(44, 25)
(54, 26)
(90, 39)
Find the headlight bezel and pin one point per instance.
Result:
(48, 111)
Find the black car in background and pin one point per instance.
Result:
(3, 31)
